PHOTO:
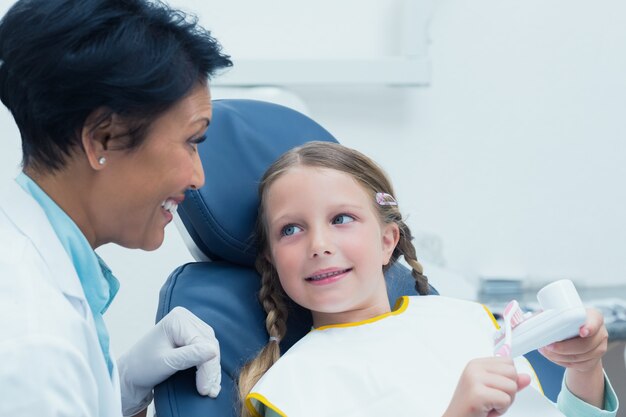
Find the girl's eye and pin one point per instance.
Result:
(289, 230)
(343, 219)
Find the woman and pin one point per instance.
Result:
(111, 99)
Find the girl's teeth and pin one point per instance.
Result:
(329, 274)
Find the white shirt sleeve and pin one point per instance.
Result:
(45, 376)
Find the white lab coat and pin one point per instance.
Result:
(51, 363)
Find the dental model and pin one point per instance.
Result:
(561, 316)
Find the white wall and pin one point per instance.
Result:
(514, 156)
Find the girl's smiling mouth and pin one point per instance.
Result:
(327, 276)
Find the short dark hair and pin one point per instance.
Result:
(62, 59)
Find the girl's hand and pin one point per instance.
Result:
(582, 356)
(487, 388)
(583, 353)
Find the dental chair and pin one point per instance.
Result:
(245, 137)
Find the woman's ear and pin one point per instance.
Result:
(391, 236)
(101, 127)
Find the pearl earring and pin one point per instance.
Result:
(102, 160)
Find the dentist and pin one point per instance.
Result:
(111, 99)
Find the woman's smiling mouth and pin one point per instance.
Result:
(169, 207)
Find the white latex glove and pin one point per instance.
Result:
(179, 341)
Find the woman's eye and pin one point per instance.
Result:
(343, 219)
(290, 230)
(195, 142)
(199, 140)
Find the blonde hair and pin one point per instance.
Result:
(373, 180)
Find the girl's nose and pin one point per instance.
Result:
(321, 244)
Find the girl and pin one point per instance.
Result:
(328, 227)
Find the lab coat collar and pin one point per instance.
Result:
(31, 220)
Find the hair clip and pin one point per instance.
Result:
(385, 199)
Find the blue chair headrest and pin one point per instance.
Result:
(220, 216)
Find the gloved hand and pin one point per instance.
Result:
(179, 341)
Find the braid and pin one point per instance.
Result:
(391, 214)
(405, 246)
(271, 297)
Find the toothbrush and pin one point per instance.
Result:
(512, 316)
(559, 318)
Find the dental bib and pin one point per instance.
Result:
(404, 363)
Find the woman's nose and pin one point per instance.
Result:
(197, 180)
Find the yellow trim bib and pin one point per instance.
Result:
(404, 363)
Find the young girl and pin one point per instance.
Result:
(328, 227)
